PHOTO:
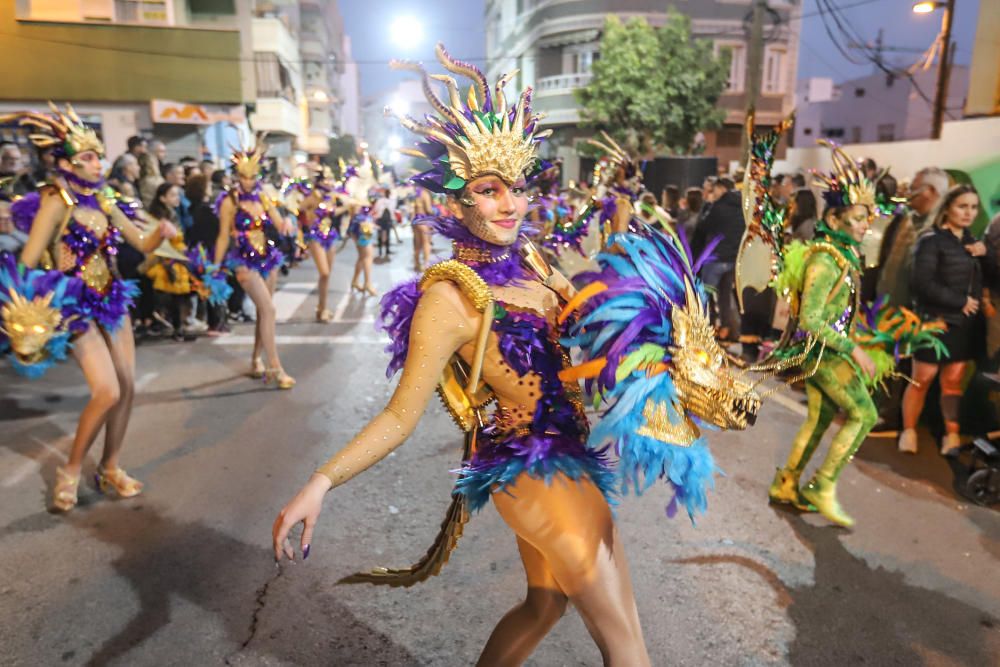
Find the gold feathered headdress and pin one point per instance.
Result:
(246, 161)
(63, 132)
(478, 136)
(847, 184)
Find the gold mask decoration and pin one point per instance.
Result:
(705, 381)
(30, 325)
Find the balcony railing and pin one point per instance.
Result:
(562, 82)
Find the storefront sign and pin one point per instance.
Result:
(186, 113)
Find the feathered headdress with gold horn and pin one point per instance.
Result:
(476, 136)
(61, 131)
(246, 161)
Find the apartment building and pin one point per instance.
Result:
(874, 108)
(553, 43)
(127, 66)
(195, 73)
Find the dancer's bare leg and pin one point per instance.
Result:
(260, 293)
(519, 631)
(322, 259)
(417, 265)
(368, 258)
(91, 352)
(425, 245)
(121, 346)
(358, 265)
(569, 523)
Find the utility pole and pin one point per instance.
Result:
(944, 66)
(755, 64)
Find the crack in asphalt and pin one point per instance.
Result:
(260, 601)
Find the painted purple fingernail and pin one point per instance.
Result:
(305, 551)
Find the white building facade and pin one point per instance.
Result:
(553, 43)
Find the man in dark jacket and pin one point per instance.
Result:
(724, 220)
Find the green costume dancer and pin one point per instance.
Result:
(849, 349)
(828, 308)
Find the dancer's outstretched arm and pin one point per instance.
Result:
(442, 323)
(227, 211)
(144, 242)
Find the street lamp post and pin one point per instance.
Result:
(944, 60)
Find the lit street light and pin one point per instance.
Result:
(926, 7)
(406, 32)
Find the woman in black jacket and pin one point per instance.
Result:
(947, 285)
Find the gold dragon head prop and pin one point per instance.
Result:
(29, 324)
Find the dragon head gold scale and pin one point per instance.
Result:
(706, 383)
(30, 324)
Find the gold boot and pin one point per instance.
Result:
(821, 492)
(784, 490)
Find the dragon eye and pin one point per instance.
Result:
(702, 357)
(38, 329)
(17, 327)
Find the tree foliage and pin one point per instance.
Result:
(654, 88)
(343, 147)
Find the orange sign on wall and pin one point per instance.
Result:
(187, 113)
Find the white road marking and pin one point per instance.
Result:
(145, 379)
(307, 340)
(338, 312)
(289, 298)
(32, 465)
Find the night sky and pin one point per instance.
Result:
(459, 24)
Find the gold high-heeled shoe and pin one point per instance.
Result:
(281, 379)
(356, 286)
(64, 493)
(324, 316)
(117, 480)
(371, 290)
(257, 368)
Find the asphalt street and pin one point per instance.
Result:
(184, 574)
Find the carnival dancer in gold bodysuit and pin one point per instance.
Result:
(319, 211)
(484, 327)
(244, 213)
(76, 230)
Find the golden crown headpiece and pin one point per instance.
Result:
(615, 157)
(847, 184)
(63, 132)
(478, 136)
(247, 161)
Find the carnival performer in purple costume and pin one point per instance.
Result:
(319, 213)
(74, 229)
(488, 325)
(245, 212)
